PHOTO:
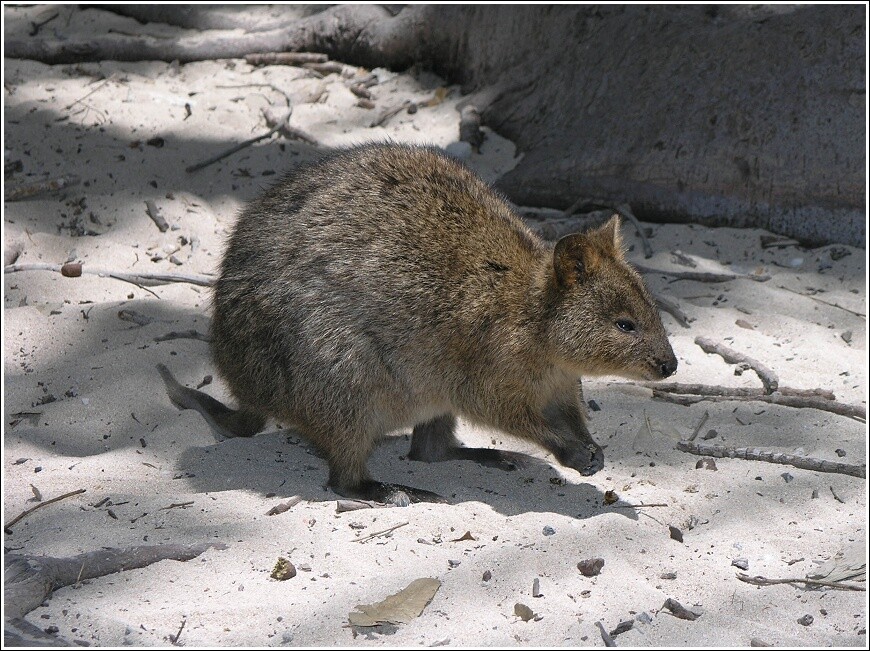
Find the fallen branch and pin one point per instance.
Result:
(717, 390)
(28, 580)
(701, 276)
(148, 279)
(8, 527)
(798, 402)
(760, 580)
(756, 454)
(246, 143)
(39, 188)
(768, 378)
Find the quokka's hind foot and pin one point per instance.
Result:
(397, 494)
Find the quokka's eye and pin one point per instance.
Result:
(625, 325)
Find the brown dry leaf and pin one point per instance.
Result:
(466, 536)
(399, 608)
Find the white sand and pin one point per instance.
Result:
(112, 431)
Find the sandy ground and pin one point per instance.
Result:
(85, 408)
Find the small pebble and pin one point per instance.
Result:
(757, 641)
(707, 463)
(536, 588)
(840, 452)
(668, 576)
(549, 531)
(590, 566)
(594, 406)
(453, 563)
(846, 336)
(487, 575)
(676, 534)
(787, 476)
(711, 434)
(806, 620)
(742, 563)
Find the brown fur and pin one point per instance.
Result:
(388, 287)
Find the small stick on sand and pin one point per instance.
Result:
(39, 188)
(185, 334)
(761, 580)
(699, 426)
(380, 533)
(605, 636)
(857, 412)
(756, 454)
(74, 270)
(174, 638)
(283, 507)
(818, 300)
(386, 115)
(177, 505)
(154, 213)
(8, 527)
(240, 146)
(836, 497)
(635, 506)
(768, 378)
(669, 306)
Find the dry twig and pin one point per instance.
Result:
(799, 402)
(8, 527)
(761, 580)
(756, 454)
(39, 188)
(768, 378)
(154, 213)
(232, 150)
(380, 533)
(701, 276)
(138, 279)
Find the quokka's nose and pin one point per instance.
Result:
(668, 368)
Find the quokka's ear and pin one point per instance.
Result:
(574, 258)
(609, 236)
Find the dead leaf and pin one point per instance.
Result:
(466, 536)
(399, 608)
